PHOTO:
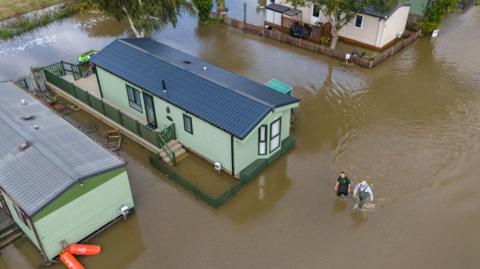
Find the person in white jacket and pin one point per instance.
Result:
(363, 192)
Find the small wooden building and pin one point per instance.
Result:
(220, 116)
(56, 183)
(370, 28)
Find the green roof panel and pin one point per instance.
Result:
(279, 86)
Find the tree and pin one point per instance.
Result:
(144, 16)
(436, 11)
(337, 12)
(382, 5)
(220, 6)
(203, 7)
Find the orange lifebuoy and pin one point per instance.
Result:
(82, 249)
(70, 261)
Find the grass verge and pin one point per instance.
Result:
(13, 8)
(26, 24)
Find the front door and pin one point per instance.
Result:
(150, 110)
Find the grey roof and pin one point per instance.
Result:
(278, 8)
(59, 155)
(293, 12)
(374, 12)
(228, 101)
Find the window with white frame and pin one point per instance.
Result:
(134, 98)
(275, 135)
(316, 11)
(187, 124)
(359, 21)
(262, 140)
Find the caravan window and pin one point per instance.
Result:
(262, 140)
(316, 11)
(359, 21)
(275, 136)
(134, 98)
(187, 124)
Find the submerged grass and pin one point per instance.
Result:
(12, 8)
(26, 24)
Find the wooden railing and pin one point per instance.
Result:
(316, 33)
(158, 138)
(78, 71)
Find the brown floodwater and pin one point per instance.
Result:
(411, 126)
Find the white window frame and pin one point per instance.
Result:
(273, 136)
(187, 118)
(262, 140)
(134, 98)
(361, 24)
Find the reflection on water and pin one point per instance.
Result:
(410, 126)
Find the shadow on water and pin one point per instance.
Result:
(257, 198)
(100, 25)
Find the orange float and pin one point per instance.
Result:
(83, 249)
(70, 261)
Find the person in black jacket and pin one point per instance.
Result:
(343, 185)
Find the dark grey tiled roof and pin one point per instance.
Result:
(59, 154)
(231, 102)
(293, 12)
(278, 8)
(374, 12)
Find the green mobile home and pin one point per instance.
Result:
(56, 183)
(222, 117)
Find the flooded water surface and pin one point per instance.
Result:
(411, 126)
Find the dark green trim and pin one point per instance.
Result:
(233, 154)
(98, 81)
(78, 190)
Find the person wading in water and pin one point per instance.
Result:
(363, 192)
(343, 185)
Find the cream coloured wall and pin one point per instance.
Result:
(395, 25)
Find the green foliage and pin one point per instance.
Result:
(298, 3)
(6, 33)
(216, 20)
(144, 16)
(435, 13)
(325, 40)
(220, 5)
(338, 12)
(383, 5)
(203, 7)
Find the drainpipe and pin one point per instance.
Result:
(379, 34)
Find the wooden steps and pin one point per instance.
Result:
(175, 147)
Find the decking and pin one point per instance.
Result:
(83, 91)
(88, 83)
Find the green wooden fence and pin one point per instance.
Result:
(246, 176)
(160, 139)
